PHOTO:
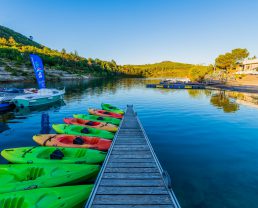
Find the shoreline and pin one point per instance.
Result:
(237, 88)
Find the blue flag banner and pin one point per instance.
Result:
(38, 69)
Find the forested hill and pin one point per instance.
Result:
(168, 69)
(14, 58)
(19, 38)
(15, 48)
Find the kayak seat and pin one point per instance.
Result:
(90, 123)
(85, 131)
(78, 140)
(100, 118)
(57, 155)
(106, 113)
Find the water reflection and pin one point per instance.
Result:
(45, 125)
(223, 101)
(229, 102)
(25, 111)
(3, 127)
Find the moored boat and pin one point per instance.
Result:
(6, 106)
(42, 97)
(82, 131)
(114, 121)
(64, 140)
(92, 124)
(50, 155)
(104, 113)
(111, 108)
(18, 177)
(57, 197)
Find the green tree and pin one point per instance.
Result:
(11, 41)
(240, 54)
(229, 60)
(3, 41)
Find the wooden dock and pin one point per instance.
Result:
(131, 175)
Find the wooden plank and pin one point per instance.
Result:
(130, 152)
(132, 170)
(132, 175)
(132, 160)
(133, 199)
(132, 182)
(130, 190)
(130, 142)
(132, 148)
(128, 146)
(132, 206)
(131, 139)
(131, 165)
(131, 156)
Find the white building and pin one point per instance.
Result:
(249, 67)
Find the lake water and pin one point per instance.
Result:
(206, 140)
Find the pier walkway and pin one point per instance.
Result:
(131, 175)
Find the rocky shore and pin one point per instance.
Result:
(12, 73)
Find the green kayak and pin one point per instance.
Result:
(52, 155)
(58, 197)
(114, 121)
(82, 131)
(111, 108)
(31, 176)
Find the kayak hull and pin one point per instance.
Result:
(26, 177)
(64, 140)
(92, 124)
(104, 113)
(110, 120)
(65, 197)
(82, 131)
(111, 108)
(44, 155)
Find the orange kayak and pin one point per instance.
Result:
(64, 140)
(93, 124)
(104, 113)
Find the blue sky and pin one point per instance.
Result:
(138, 31)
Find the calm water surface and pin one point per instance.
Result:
(206, 140)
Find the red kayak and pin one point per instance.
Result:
(92, 124)
(104, 113)
(64, 140)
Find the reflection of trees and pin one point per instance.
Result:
(221, 100)
(81, 88)
(195, 93)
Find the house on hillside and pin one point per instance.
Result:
(248, 67)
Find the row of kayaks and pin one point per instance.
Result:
(51, 175)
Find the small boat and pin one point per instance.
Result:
(42, 97)
(104, 113)
(64, 140)
(82, 131)
(6, 106)
(92, 124)
(111, 108)
(110, 120)
(20, 177)
(57, 197)
(50, 155)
